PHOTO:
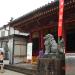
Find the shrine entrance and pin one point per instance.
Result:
(35, 45)
(37, 39)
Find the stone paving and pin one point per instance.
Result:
(8, 72)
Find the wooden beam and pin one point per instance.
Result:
(26, 23)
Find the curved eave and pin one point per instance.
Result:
(25, 22)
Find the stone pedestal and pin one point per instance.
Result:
(51, 64)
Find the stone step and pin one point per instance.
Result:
(21, 70)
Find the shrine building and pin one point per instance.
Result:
(44, 20)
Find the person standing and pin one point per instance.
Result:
(41, 53)
(1, 61)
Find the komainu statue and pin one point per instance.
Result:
(50, 44)
(52, 61)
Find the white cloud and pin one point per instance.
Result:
(17, 8)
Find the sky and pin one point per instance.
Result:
(17, 8)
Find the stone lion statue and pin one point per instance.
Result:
(50, 44)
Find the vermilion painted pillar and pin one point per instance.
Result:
(41, 40)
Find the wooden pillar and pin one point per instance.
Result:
(41, 40)
(30, 37)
